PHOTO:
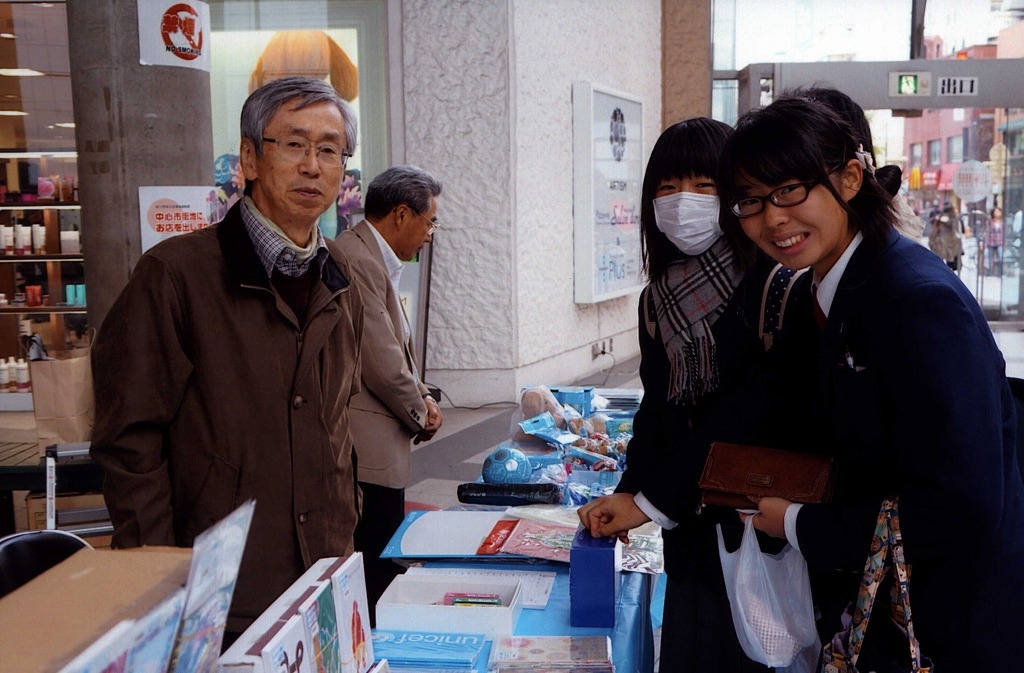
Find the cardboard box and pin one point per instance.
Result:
(47, 622)
(593, 579)
(416, 603)
(35, 506)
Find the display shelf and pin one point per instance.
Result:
(40, 205)
(37, 310)
(15, 401)
(58, 257)
(54, 264)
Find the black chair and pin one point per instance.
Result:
(27, 554)
(1017, 389)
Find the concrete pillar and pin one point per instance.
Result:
(135, 125)
(686, 61)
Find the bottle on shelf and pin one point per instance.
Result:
(12, 373)
(7, 231)
(5, 378)
(19, 237)
(24, 384)
(38, 239)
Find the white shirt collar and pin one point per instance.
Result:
(827, 286)
(393, 265)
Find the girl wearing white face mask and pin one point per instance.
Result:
(695, 347)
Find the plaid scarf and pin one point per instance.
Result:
(687, 301)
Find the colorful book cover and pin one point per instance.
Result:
(321, 622)
(108, 654)
(349, 585)
(150, 651)
(441, 534)
(288, 651)
(566, 668)
(556, 652)
(216, 555)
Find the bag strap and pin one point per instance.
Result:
(773, 302)
(842, 653)
(650, 313)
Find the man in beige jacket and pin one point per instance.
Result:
(394, 406)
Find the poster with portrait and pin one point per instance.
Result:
(607, 178)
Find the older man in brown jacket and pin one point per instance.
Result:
(224, 370)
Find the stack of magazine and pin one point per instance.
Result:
(581, 654)
(408, 651)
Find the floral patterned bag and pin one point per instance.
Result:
(840, 655)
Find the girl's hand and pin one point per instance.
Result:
(772, 519)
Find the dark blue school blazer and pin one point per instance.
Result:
(913, 388)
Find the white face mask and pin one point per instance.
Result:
(689, 220)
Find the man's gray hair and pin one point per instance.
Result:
(398, 185)
(263, 103)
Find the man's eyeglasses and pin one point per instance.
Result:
(296, 149)
(785, 196)
(432, 224)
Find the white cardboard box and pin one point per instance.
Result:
(245, 655)
(345, 578)
(416, 603)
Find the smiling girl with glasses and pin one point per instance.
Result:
(905, 388)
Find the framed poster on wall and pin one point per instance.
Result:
(607, 177)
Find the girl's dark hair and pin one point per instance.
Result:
(890, 177)
(798, 139)
(848, 110)
(690, 148)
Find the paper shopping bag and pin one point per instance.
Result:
(62, 397)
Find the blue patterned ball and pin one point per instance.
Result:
(507, 466)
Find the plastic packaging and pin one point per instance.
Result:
(770, 597)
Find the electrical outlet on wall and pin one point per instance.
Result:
(595, 350)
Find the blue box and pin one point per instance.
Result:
(593, 579)
(580, 398)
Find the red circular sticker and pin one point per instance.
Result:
(182, 32)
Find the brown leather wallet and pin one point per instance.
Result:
(733, 472)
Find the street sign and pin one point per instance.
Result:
(917, 83)
(958, 86)
(972, 181)
(997, 156)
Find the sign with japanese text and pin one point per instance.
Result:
(972, 181)
(958, 86)
(169, 211)
(174, 33)
(607, 176)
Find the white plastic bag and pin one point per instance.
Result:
(770, 597)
